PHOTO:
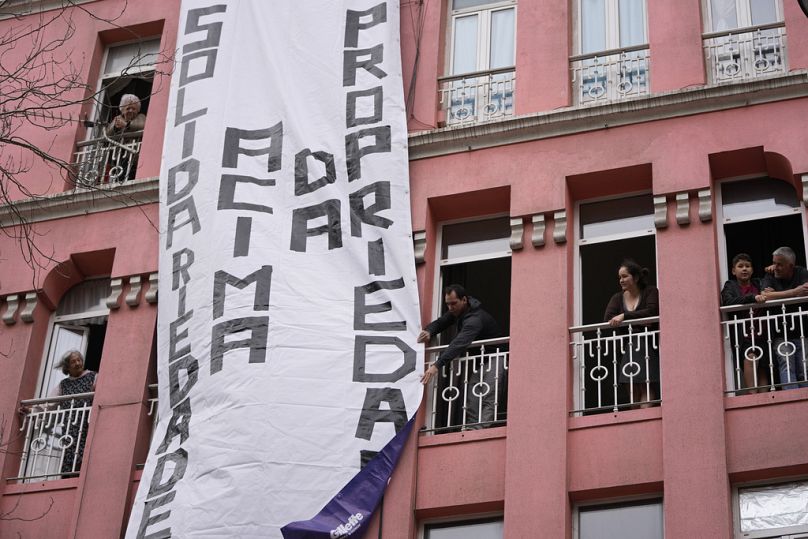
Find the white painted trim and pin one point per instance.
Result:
(683, 208)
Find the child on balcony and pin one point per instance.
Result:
(746, 338)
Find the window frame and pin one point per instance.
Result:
(621, 501)
(483, 61)
(611, 30)
(793, 532)
(464, 519)
(743, 12)
(104, 78)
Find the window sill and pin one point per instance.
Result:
(615, 418)
(41, 486)
(462, 437)
(765, 399)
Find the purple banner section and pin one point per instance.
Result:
(348, 513)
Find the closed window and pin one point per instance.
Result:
(471, 529)
(610, 24)
(637, 520)
(770, 511)
(730, 14)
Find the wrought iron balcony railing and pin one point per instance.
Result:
(615, 366)
(55, 431)
(766, 345)
(471, 392)
(610, 75)
(745, 53)
(106, 160)
(477, 97)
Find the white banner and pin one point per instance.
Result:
(288, 306)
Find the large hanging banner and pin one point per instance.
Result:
(288, 307)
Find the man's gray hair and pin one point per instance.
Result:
(129, 98)
(787, 253)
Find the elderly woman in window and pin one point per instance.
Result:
(130, 119)
(76, 421)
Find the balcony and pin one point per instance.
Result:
(765, 345)
(102, 161)
(55, 432)
(477, 97)
(613, 366)
(471, 392)
(612, 75)
(744, 54)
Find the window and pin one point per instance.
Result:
(110, 152)
(744, 38)
(612, 61)
(55, 427)
(772, 511)
(755, 217)
(607, 232)
(472, 529)
(477, 256)
(637, 520)
(482, 40)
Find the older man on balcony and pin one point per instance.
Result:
(787, 281)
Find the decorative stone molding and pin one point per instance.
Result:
(683, 208)
(81, 202)
(560, 226)
(133, 297)
(151, 293)
(517, 233)
(661, 211)
(805, 188)
(419, 245)
(538, 230)
(27, 312)
(12, 303)
(706, 204)
(114, 299)
(572, 120)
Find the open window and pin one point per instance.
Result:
(482, 48)
(608, 232)
(756, 216)
(109, 154)
(55, 425)
(471, 392)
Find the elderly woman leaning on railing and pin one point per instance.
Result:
(768, 337)
(471, 391)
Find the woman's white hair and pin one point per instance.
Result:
(64, 362)
(129, 98)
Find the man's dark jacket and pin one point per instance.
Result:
(473, 325)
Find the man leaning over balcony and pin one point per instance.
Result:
(473, 324)
(787, 281)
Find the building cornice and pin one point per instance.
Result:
(18, 8)
(573, 120)
(80, 202)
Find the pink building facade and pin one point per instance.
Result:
(549, 140)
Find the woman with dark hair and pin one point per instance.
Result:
(639, 363)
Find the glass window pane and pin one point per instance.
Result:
(724, 15)
(637, 521)
(465, 45)
(134, 56)
(502, 42)
(763, 12)
(593, 26)
(632, 22)
(476, 238)
(774, 506)
(64, 338)
(462, 4)
(470, 530)
(620, 216)
(752, 197)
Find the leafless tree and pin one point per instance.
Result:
(43, 89)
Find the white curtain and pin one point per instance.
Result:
(725, 16)
(502, 42)
(464, 59)
(632, 22)
(593, 26)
